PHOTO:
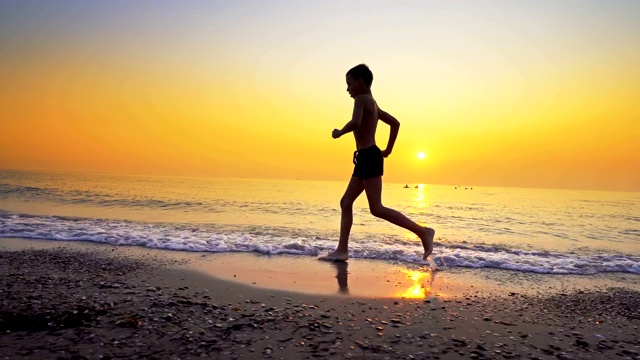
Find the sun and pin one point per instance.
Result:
(421, 155)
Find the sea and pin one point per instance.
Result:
(516, 229)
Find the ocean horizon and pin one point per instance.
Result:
(547, 231)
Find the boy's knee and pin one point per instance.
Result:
(376, 211)
(345, 204)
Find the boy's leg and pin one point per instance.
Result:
(373, 188)
(354, 189)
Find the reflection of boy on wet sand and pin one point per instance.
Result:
(342, 276)
(368, 160)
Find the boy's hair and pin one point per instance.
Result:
(361, 72)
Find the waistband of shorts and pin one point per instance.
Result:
(367, 149)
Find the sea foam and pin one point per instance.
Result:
(201, 238)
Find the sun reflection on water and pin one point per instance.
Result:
(419, 199)
(421, 284)
(418, 208)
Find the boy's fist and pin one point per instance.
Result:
(386, 153)
(336, 133)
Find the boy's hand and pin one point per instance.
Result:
(386, 153)
(336, 133)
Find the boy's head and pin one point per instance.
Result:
(361, 72)
(359, 80)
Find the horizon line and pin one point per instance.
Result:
(84, 172)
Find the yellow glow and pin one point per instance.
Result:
(210, 94)
(421, 284)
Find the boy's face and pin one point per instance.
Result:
(355, 87)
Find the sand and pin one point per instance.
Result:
(88, 301)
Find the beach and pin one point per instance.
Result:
(176, 178)
(88, 301)
(107, 267)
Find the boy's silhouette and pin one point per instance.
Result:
(368, 160)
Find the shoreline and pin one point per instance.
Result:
(356, 278)
(87, 301)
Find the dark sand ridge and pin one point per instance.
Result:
(93, 301)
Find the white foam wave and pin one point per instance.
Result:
(202, 239)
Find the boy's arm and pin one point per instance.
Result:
(393, 133)
(356, 118)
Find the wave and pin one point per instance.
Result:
(273, 241)
(96, 198)
(138, 201)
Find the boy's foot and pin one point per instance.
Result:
(427, 242)
(335, 256)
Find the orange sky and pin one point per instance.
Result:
(535, 94)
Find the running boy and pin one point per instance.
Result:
(368, 160)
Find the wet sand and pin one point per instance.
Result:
(81, 300)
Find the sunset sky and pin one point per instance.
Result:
(503, 93)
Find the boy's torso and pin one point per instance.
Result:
(365, 134)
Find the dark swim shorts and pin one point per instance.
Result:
(368, 162)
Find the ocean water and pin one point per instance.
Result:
(527, 230)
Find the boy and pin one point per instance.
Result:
(368, 160)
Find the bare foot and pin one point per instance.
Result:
(335, 256)
(427, 242)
